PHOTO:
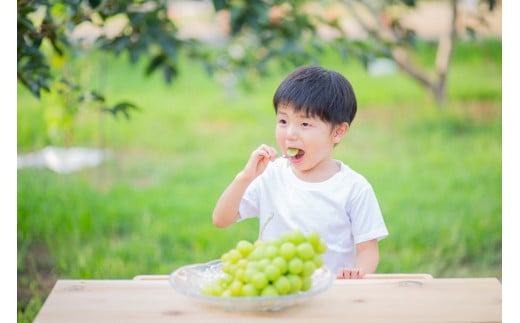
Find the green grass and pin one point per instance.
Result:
(436, 172)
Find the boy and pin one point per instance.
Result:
(309, 190)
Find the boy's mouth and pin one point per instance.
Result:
(295, 153)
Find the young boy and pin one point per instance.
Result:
(310, 191)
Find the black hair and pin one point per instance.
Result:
(318, 92)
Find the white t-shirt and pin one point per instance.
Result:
(343, 209)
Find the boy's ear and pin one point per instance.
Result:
(339, 132)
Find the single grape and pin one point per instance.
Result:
(318, 260)
(241, 273)
(271, 251)
(295, 266)
(229, 268)
(269, 291)
(226, 293)
(308, 268)
(305, 250)
(234, 255)
(244, 247)
(242, 263)
(322, 248)
(262, 264)
(287, 250)
(257, 253)
(306, 284)
(259, 280)
(208, 289)
(296, 237)
(272, 272)
(282, 285)
(248, 274)
(250, 290)
(314, 238)
(281, 263)
(296, 283)
(236, 288)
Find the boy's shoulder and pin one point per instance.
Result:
(353, 175)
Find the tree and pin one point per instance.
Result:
(148, 33)
(261, 32)
(298, 22)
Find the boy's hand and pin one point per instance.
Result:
(350, 273)
(258, 161)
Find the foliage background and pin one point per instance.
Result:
(437, 173)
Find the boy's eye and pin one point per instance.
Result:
(282, 121)
(305, 124)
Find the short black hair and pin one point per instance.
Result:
(318, 92)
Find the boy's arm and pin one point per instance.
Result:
(226, 210)
(367, 256)
(367, 259)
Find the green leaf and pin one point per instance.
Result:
(219, 4)
(170, 72)
(156, 62)
(94, 3)
(121, 107)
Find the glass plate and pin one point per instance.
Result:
(188, 280)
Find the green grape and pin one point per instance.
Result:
(236, 288)
(284, 237)
(248, 274)
(296, 283)
(259, 280)
(224, 257)
(269, 291)
(279, 266)
(242, 263)
(257, 253)
(308, 268)
(280, 263)
(295, 266)
(305, 250)
(271, 251)
(225, 280)
(306, 284)
(272, 272)
(291, 152)
(226, 293)
(250, 290)
(282, 285)
(276, 242)
(296, 237)
(287, 250)
(244, 247)
(262, 264)
(322, 248)
(234, 255)
(318, 260)
(209, 289)
(314, 238)
(240, 274)
(229, 268)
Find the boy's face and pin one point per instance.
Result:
(314, 138)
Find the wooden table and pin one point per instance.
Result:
(400, 299)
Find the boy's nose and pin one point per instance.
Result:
(291, 131)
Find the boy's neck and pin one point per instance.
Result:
(318, 173)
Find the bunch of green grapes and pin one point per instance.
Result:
(272, 268)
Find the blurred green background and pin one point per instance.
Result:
(147, 210)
